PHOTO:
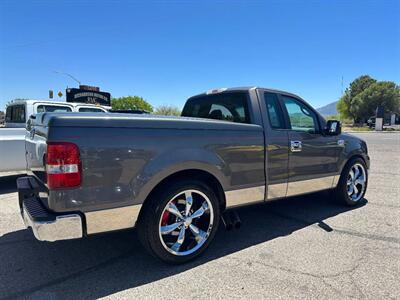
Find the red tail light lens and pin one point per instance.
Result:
(63, 165)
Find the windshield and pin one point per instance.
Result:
(231, 107)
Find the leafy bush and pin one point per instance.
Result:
(131, 102)
(167, 110)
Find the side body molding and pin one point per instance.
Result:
(244, 196)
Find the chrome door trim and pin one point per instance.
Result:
(277, 190)
(310, 185)
(112, 219)
(244, 196)
(335, 180)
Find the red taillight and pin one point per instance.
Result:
(63, 165)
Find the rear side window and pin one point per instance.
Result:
(90, 109)
(53, 108)
(274, 110)
(231, 107)
(15, 114)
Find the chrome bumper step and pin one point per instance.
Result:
(50, 227)
(46, 225)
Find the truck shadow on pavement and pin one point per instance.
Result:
(101, 265)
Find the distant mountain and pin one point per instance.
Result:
(329, 109)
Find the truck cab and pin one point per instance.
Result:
(302, 153)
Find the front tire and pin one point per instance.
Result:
(353, 182)
(179, 221)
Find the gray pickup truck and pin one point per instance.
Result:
(173, 178)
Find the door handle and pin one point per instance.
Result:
(295, 146)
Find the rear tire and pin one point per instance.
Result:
(179, 221)
(353, 182)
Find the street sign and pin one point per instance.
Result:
(60, 94)
(88, 96)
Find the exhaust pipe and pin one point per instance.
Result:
(227, 221)
(231, 220)
(236, 220)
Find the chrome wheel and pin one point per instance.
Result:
(356, 182)
(186, 222)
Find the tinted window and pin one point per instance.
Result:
(15, 114)
(227, 106)
(275, 115)
(53, 108)
(300, 116)
(90, 109)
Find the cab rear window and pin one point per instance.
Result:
(15, 114)
(90, 109)
(231, 107)
(53, 108)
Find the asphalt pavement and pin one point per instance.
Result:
(303, 247)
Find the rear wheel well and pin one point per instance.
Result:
(203, 176)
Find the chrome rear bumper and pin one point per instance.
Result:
(52, 226)
(46, 225)
(63, 227)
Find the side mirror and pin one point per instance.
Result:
(28, 126)
(333, 127)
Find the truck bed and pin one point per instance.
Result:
(137, 121)
(124, 156)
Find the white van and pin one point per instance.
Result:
(12, 137)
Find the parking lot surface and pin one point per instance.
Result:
(303, 247)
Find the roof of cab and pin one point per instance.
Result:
(240, 89)
(33, 101)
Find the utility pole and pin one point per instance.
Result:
(342, 85)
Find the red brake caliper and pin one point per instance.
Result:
(164, 219)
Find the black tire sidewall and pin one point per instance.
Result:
(156, 208)
(342, 185)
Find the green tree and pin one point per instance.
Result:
(167, 110)
(343, 107)
(131, 102)
(385, 93)
(360, 84)
(345, 104)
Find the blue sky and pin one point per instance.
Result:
(166, 51)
